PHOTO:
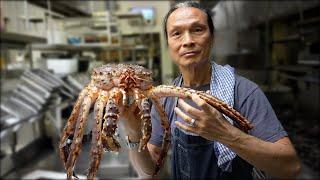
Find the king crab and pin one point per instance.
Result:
(112, 86)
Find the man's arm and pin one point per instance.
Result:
(144, 161)
(277, 159)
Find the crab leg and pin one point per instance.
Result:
(243, 123)
(96, 149)
(77, 139)
(110, 122)
(146, 127)
(165, 141)
(166, 91)
(146, 124)
(69, 128)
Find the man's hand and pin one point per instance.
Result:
(209, 122)
(131, 121)
(143, 162)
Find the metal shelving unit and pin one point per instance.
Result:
(13, 40)
(95, 47)
(82, 47)
(36, 97)
(75, 47)
(61, 7)
(24, 123)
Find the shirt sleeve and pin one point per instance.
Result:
(257, 109)
(157, 130)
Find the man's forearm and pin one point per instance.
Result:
(141, 161)
(276, 159)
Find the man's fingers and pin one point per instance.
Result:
(180, 113)
(185, 127)
(201, 103)
(188, 108)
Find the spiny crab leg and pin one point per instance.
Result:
(145, 124)
(241, 121)
(80, 127)
(144, 108)
(166, 136)
(110, 122)
(96, 149)
(167, 91)
(115, 86)
(69, 128)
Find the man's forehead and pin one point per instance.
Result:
(186, 13)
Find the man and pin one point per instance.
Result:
(204, 143)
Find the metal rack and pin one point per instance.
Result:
(38, 95)
(82, 47)
(61, 7)
(33, 92)
(90, 47)
(14, 40)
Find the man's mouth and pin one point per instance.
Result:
(190, 53)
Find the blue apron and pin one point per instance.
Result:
(194, 157)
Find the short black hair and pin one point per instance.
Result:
(189, 4)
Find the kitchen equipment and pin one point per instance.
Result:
(34, 89)
(63, 66)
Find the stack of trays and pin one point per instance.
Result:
(33, 93)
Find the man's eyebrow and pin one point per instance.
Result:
(174, 26)
(197, 24)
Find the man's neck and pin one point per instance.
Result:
(196, 76)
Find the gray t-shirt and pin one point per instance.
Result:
(249, 100)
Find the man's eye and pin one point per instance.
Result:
(176, 33)
(198, 30)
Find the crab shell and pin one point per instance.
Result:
(115, 85)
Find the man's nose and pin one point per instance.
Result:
(187, 40)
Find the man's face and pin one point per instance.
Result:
(189, 37)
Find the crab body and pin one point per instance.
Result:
(115, 85)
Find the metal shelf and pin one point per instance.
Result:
(309, 22)
(129, 15)
(290, 68)
(294, 69)
(17, 40)
(82, 47)
(287, 39)
(20, 38)
(19, 122)
(313, 63)
(37, 116)
(78, 47)
(61, 7)
(294, 37)
(307, 79)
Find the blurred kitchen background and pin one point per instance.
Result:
(48, 49)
